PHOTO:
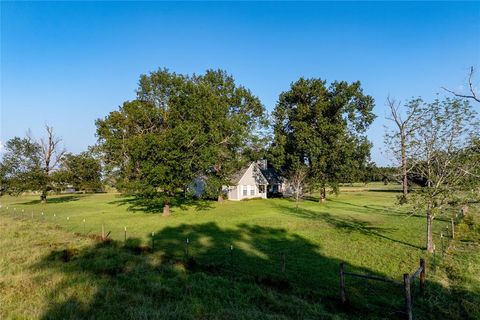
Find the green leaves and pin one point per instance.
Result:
(322, 128)
(180, 127)
(83, 171)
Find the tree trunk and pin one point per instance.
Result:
(404, 170)
(323, 195)
(43, 196)
(220, 198)
(429, 229)
(166, 209)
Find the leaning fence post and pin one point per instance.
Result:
(408, 296)
(343, 295)
(422, 276)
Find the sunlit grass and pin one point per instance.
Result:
(363, 227)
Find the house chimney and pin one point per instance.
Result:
(262, 164)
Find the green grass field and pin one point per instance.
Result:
(284, 262)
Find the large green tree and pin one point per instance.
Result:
(180, 127)
(82, 171)
(322, 127)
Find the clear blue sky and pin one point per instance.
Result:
(67, 64)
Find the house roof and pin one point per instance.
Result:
(273, 176)
(237, 176)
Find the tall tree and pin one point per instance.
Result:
(400, 140)
(51, 154)
(323, 128)
(180, 127)
(445, 137)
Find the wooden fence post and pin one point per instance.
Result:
(408, 296)
(125, 235)
(441, 241)
(343, 294)
(453, 229)
(422, 276)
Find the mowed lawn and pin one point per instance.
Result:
(350, 227)
(267, 240)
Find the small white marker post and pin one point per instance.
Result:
(153, 240)
(125, 234)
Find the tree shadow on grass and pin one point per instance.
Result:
(136, 204)
(60, 199)
(347, 224)
(247, 272)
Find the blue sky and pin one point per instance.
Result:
(67, 64)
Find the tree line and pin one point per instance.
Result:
(181, 127)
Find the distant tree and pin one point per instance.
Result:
(445, 137)
(82, 171)
(20, 168)
(51, 154)
(28, 165)
(323, 128)
(400, 140)
(296, 180)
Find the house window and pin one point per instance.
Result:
(252, 191)
(261, 189)
(245, 190)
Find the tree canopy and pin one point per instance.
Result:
(180, 127)
(322, 128)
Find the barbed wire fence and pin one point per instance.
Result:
(281, 270)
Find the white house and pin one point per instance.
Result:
(256, 180)
(248, 183)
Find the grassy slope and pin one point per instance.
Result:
(364, 229)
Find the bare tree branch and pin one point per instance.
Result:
(473, 94)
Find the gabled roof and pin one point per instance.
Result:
(237, 176)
